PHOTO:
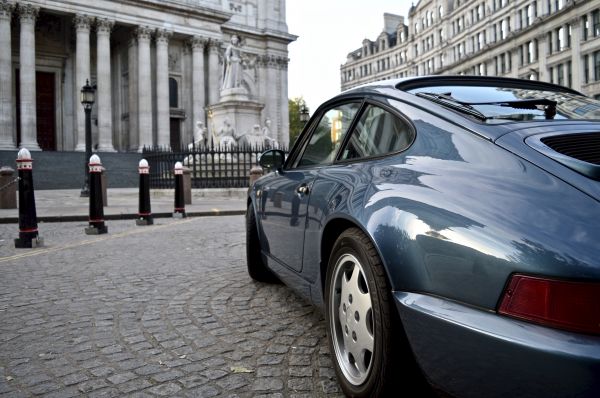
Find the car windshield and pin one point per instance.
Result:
(501, 104)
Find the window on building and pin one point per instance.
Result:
(597, 65)
(551, 72)
(531, 52)
(585, 25)
(568, 33)
(560, 78)
(531, 10)
(596, 23)
(520, 50)
(559, 4)
(441, 35)
(586, 68)
(569, 74)
(416, 50)
(440, 11)
(560, 39)
(503, 29)
(550, 47)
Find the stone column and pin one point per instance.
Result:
(133, 93)
(272, 94)
(514, 63)
(144, 88)
(162, 87)
(284, 131)
(198, 79)
(103, 28)
(542, 47)
(28, 15)
(576, 54)
(7, 140)
(214, 74)
(592, 69)
(82, 73)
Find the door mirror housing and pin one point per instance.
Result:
(272, 159)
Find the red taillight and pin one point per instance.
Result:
(567, 305)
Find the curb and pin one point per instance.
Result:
(210, 213)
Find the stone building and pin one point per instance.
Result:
(550, 40)
(157, 66)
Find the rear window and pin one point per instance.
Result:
(501, 104)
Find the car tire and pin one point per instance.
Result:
(255, 260)
(365, 337)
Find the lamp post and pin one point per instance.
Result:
(87, 100)
(304, 114)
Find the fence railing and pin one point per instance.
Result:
(211, 166)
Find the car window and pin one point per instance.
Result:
(328, 135)
(377, 133)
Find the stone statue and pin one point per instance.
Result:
(227, 134)
(200, 134)
(269, 141)
(232, 74)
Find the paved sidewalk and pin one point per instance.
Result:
(67, 205)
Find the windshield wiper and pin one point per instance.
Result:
(452, 103)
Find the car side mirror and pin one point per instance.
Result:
(272, 159)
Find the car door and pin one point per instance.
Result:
(285, 199)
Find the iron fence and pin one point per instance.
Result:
(210, 166)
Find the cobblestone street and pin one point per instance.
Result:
(166, 310)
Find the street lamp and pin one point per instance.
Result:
(87, 100)
(304, 115)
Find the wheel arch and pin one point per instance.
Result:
(334, 228)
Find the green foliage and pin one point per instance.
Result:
(296, 125)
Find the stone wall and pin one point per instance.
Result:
(64, 170)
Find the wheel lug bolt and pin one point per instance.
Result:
(344, 307)
(346, 329)
(356, 316)
(354, 335)
(350, 299)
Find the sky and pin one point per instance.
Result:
(328, 30)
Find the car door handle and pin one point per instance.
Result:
(303, 189)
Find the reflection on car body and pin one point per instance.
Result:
(447, 226)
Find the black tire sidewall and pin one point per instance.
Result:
(349, 242)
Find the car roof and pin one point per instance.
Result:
(400, 89)
(415, 82)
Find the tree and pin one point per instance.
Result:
(296, 125)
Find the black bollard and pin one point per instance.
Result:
(179, 197)
(144, 212)
(28, 228)
(96, 226)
